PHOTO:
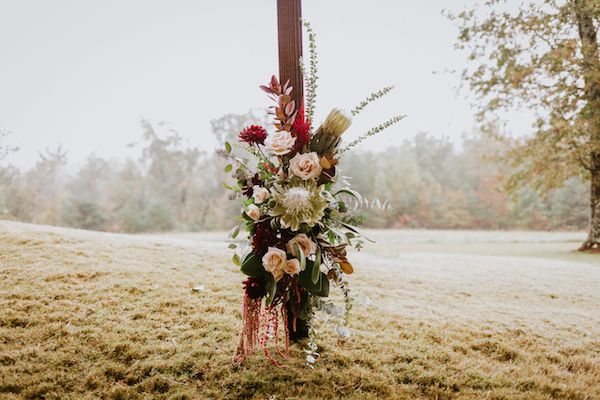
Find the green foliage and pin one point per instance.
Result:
(567, 206)
(84, 215)
(157, 217)
(542, 56)
(431, 185)
(252, 266)
(313, 280)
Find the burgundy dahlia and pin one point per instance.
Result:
(253, 134)
(264, 236)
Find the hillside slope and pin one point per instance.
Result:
(96, 315)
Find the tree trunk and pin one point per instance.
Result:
(593, 240)
(591, 112)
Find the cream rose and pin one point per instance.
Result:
(260, 194)
(253, 212)
(292, 267)
(280, 143)
(274, 260)
(307, 246)
(306, 166)
(277, 274)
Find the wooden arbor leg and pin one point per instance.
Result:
(300, 331)
(289, 32)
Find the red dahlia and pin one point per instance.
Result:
(253, 134)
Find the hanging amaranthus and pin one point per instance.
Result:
(260, 324)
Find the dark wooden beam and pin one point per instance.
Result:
(289, 33)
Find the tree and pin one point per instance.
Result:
(8, 173)
(42, 188)
(86, 193)
(5, 150)
(543, 56)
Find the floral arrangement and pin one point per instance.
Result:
(295, 211)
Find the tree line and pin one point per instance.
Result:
(426, 182)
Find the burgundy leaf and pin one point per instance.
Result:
(266, 89)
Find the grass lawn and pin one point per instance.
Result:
(438, 315)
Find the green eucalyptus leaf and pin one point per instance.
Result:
(318, 257)
(226, 186)
(350, 227)
(331, 236)
(235, 231)
(324, 292)
(350, 192)
(247, 218)
(271, 286)
(252, 266)
(300, 256)
(228, 168)
(314, 276)
(232, 246)
(227, 147)
(305, 278)
(236, 259)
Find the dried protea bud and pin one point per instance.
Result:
(327, 138)
(337, 122)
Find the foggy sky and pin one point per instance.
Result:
(83, 73)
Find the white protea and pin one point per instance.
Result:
(299, 203)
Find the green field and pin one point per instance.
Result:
(438, 315)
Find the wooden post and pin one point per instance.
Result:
(289, 33)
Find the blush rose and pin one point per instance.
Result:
(306, 165)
